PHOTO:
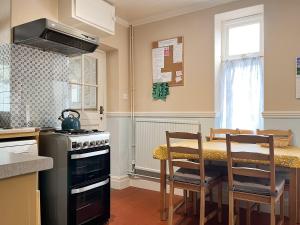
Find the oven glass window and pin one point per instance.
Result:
(91, 207)
(87, 169)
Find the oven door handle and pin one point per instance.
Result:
(90, 187)
(90, 154)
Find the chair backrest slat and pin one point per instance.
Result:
(250, 139)
(186, 165)
(242, 131)
(233, 156)
(251, 172)
(183, 135)
(236, 156)
(223, 132)
(277, 133)
(183, 150)
(182, 162)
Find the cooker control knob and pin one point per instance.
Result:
(85, 144)
(74, 145)
(78, 145)
(98, 142)
(102, 142)
(106, 141)
(92, 143)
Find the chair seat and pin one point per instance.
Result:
(258, 186)
(192, 176)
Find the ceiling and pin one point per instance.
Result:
(143, 11)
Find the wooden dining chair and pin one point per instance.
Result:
(191, 175)
(288, 134)
(219, 134)
(253, 184)
(277, 134)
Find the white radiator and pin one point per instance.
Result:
(150, 133)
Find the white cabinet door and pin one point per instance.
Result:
(97, 13)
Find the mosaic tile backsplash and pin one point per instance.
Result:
(33, 86)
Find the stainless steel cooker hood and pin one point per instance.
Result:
(51, 36)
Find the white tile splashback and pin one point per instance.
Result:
(38, 86)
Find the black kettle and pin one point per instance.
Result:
(71, 122)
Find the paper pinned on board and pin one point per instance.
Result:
(179, 73)
(177, 53)
(166, 77)
(178, 79)
(158, 63)
(166, 43)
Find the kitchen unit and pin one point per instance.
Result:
(94, 16)
(19, 167)
(77, 190)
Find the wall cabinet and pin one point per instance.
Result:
(93, 16)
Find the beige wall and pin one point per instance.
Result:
(118, 71)
(281, 47)
(25, 11)
(5, 21)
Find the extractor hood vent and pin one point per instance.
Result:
(51, 36)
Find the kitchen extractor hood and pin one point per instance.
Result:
(51, 36)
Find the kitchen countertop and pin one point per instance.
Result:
(17, 130)
(15, 164)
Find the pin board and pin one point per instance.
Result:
(167, 61)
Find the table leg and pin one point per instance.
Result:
(293, 197)
(163, 190)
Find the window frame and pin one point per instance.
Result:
(243, 21)
(82, 84)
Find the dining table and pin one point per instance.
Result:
(286, 158)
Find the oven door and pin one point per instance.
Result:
(90, 164)
(90, 204)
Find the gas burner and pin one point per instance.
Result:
(77, 132)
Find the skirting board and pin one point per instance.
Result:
(120, 183)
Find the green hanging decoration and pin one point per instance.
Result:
(160, 91)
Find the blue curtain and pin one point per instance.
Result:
(241, 94)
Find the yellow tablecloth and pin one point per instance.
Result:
(285, 157)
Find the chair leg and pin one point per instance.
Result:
(185, 201)
(194, 203)
(282, 208)
(220, 203)
(272, 213)
(237, 211)
(202, 206)
(171, 204)
(210, 196)
(248, 214)
(230, 208)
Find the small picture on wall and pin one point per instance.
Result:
(298, 66)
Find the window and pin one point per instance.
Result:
(240, 80)
(242, 38)
(83, 83)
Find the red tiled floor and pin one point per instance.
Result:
(133, 206)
